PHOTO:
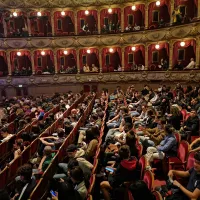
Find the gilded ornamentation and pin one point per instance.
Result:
(64, 42)
(181, 32)
(112, 40)
(40, 43)
(155, 36)
(87, 41)
(16, 43)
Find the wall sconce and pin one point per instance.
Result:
(43, 53)
(110, 10)
(19, 53)
(111, 50)
(39, 14)
(157, 46)
(88, 51)
(133, 7)
(63, 13)
(87, 12)
(15, 14)
(157, 3)
(133, 48)
(65, 52)
(182, 44)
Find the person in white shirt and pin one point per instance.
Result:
(191, 65)
(136, 27)
(86, 68)
(5, 135)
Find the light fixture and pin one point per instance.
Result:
(157, 46)
(182, 44)
(87, 12)
(111, 50)
(63, 13)
(42, 53)
(65, 52)
(157, 3)
(39, 14)
(88, 51)
(133, 7)
(133, 48)
(110, 10)
(19, 53)
(15, 14)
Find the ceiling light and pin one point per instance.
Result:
(63, 13)
(65, 52)
(157, 3)
(88, 51)
(19, 53)
(87, 12)
(110, 10)
(111, 50)
(182, 44)
(39, 14)
(133, 48)
(42, 53)
(133, 7)
(15, 14)
(157, 46)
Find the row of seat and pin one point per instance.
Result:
(40, 189)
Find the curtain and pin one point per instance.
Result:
(93, 57)
(105, 51)
(80, 15)
(92, 21)
(1, 25)
(189, 44)
(3, 63)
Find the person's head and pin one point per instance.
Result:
(92, 133)
(47, 150)
(130, 138)
(76, 175)
(144, 108)
(124, 152)
(35, 129)
(68, 129)
(71, 150)
(4, 195)
(193, 113)
(197, 161)
(128, 126)
(150, 113)
(194, 101)
(123, 109)
(94, 117)
(19, 144)
(4, 132)
(175, 111)
(140, 191)
(169, 130)
(60, 132)
(25, 173)
(192, 59)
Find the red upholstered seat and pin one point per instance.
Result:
(148, 179)
(180, 160)
(143, 164)
(140, 149)
(190, 160)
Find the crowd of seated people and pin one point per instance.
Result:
(23, 72)
(192, 65)
(130, 28)
(111, 27)
(140, 125)
(48, 70)
(68, 69)
(87, 68)
(19, 33)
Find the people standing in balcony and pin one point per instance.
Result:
(191, 65)
(85, 28)
(104, 29)
(176, 16)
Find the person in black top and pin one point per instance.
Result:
(175, 118)
(192, 191)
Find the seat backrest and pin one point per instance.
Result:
(26, 155)
(143, 164)
(34, 146)
(190, 161)
(140, 150)
(3, 148)
(178, 138)
(3, 177)
(183, 150)
(157, 195)
(13, 166)
(148, 179)
(184, 114)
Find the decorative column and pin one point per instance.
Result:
(123, 59)
(5, 27)
(198, 8)
(146, 56)
(55, 61)
(146, 15)
(76, 23)
(32, 62)
(100, 60)
(9, 63)
(29, 24)
(52, 23)
(99, 21)
(171, 48)
(197, 52)
(171, 11)
(122, 20)
(78, 60)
